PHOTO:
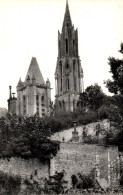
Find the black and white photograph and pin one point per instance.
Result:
(61, 97)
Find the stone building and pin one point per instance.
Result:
(68, 73)
(33, 95)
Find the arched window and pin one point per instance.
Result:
(74, 47)
(37, 97)
(67, 66)
(61, 84)
(74, 74)
(43, 101)
(75, 84)
(60, 67)
(73, 104)
(60, 104)
(24, 105)
(37, 103)
(42, 98)
(74, 65)
(37, 100)
(68, 84)
(66, 45)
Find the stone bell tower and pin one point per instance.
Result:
(34, 94)
(69, 73)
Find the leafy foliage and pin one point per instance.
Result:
(81, 181)
(92, 97)
(9, 184)
(27, 137)
(56, 183)
(116, 68)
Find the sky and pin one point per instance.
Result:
(29, 28)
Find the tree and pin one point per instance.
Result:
(116, 68)
(112, 108)
(92, 97)
(26, 138)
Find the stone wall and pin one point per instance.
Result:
(91, 130)
(101, 126)
(66, 134)
(32, 169)
(73, 158)
(81, 158)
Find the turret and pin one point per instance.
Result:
(48, 83)
(20, 85)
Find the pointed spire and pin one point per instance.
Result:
(67, 18)
(67, 6)
(34, 72)
(20, 83)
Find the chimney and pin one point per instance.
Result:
(10, 93)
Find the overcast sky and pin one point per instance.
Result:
(30, 28)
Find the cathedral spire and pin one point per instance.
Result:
(68, 75)
(67, 18)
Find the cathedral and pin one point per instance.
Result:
(34, 94)
(69, 73)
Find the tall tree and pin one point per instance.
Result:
(116, 68)
(92, 97)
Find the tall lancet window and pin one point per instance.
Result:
(78, 68)
(74, 75)
(37, 103)
(66, 45)
(42, 101)
(74, 47)
(24, 105)
(68, 84)
(60, 65)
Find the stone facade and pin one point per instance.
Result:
(81, 158)
(69, 73)
(33, 95)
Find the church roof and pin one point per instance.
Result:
(67, 18)
(34, 71)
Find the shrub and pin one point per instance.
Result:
(55, 184)
(86, 182)
(74, 180)
(9, 183)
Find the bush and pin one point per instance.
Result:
(9, 183)
(55, 184)
(91, 140)
(26, 138)
(81, 181)
(74, 180)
